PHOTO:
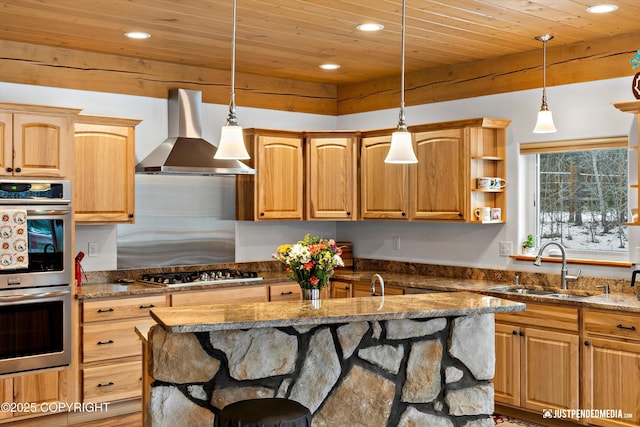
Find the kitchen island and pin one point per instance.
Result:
(374, 361)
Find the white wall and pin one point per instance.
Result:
(580, 111)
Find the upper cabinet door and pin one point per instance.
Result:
(104, 170)
(6, 143)
(384, 187)
(280, 177)
(331, 182)
(41, 145)
(438, 180)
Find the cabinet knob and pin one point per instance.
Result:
(587, 343)
(261, 213)
(514, 332)
(521, 333)
(18, 170)
(348, 213)
(9, 169)
(130, 215)
(460, 214)
(404, 214)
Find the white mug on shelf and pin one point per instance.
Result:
(484, 183)
(498, 183)
(483, 214)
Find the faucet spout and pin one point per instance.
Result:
(563, 272)
(377, 278)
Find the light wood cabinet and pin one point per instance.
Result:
(276, 191)
(611, 366)
(6, 395)
(537, 358)
(232, 295)
(341, 289)
(363, 289)
(31, 390)
(438, 185)
(104, 185)
(111, 351)
(289, 291)
(36, 389)
(384, 188)
(36, 141)
(442, 185)
(633, 107)
(331, 176)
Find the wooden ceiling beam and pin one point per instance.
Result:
(598, 59)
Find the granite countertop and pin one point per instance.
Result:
(309, 313)
(615, 301)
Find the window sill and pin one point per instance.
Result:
(621, 264)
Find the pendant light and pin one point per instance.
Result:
(545, 119)
(231, 138)
(401, 150)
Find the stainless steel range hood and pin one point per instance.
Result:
(185, 152)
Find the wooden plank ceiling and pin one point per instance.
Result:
(291, 38)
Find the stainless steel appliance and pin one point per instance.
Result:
(35, 295)
(202, 277)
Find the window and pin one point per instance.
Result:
(581, 194)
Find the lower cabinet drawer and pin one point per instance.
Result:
(105, 341)
(611, 323)
(287, 292)
(112, 382)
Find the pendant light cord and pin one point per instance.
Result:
(232, 119)
(402, 125)
(544, 39)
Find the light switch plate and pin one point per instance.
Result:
(506, 248)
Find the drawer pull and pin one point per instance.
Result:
(108, 310)
(142, 307)
(105, 342)
(628, 328)
(109, 384)
(286, 293)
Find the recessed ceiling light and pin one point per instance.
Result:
(370, 27)
(137, 35)
(602, 8)
(330, 66)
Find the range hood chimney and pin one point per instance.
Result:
(185, 152)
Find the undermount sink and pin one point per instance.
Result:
(539, 292)
(557, 295)
(521, 291)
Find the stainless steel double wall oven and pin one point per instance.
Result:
(35, 293)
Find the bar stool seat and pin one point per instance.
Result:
(269, 412)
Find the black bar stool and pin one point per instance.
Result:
(269, 412)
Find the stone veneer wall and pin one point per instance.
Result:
(427, 372)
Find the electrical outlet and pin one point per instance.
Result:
(506, 248)
(396, 243)
(93, 249)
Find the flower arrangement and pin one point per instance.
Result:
(311, 261)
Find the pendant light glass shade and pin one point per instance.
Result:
(401, 150)
(544, 124)
(231, 146)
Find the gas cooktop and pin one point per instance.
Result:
(202, 277)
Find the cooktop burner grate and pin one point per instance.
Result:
(201, 277)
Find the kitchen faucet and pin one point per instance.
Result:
(564, 277)
(374, 278)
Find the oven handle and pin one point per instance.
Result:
(24, 297)
(47, 212)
